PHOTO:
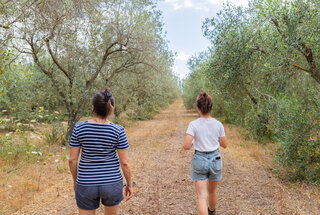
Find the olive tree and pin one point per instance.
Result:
(75, 43)
(294, 27)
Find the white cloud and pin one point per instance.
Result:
(182, 56)
(188, 4)
(203, 5)
(235, 2)
(180, 64)
(176, 6)
(193, 4)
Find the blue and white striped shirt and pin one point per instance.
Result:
(99, 163)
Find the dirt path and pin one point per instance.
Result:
(161, 172)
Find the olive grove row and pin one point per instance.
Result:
(263, 71)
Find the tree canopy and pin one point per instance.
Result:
(78, 47)
(263, 73)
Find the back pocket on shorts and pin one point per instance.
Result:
(217, 163)
(198, 164)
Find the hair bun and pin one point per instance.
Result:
(107, 95)
(204, 102)
(204, 94)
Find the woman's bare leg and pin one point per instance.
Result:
(111, 210)
(87, 212)
(202, 194)
(213, 195)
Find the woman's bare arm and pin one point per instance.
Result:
(223, 142)
(188, 142)
(73, 162)
(125, 166)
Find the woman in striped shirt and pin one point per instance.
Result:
(103, 147)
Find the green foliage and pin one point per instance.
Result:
(15, 125)
(12, 152)
(263, 73)
(8, 78)
(298, 132)
(122, 47)
(56, 136)
(142, 95)
(26, 97)
(195, 83)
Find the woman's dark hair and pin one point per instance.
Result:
(204, 102)
(103, 103)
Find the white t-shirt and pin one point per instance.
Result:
(206, 133)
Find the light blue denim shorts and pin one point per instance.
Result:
(206, 165)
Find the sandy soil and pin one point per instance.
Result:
(161, 171)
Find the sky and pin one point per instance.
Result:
(183, 22)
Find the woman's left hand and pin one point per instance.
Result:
(128, 193)
(74, 186)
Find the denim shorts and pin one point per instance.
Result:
(89, 197)
(206, 165)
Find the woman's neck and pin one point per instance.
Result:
(205, 115)
(97, 119)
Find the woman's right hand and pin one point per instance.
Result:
(128, 192)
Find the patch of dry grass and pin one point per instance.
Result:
(22, 179)
(248, 150)
(251, 154)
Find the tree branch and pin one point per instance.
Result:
(17, 18)
(55, 60)
(305, 51)
(301, 68)
(4, 26)
(254, 100)
(65, 72)
(103, 61)
(46, 72)
(257, 48)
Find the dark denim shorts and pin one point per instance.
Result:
(89, 197)
(206, 165)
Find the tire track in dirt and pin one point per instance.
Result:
(161, 170)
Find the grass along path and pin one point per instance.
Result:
(161, 171)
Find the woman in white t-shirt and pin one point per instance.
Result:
(206, 134)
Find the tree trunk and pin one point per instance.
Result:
(261, 131)
(116, 114)
(72, 120)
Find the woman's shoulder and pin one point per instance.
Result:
(116, 126)
(217, 121)
(79, 124)
(194, 122)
